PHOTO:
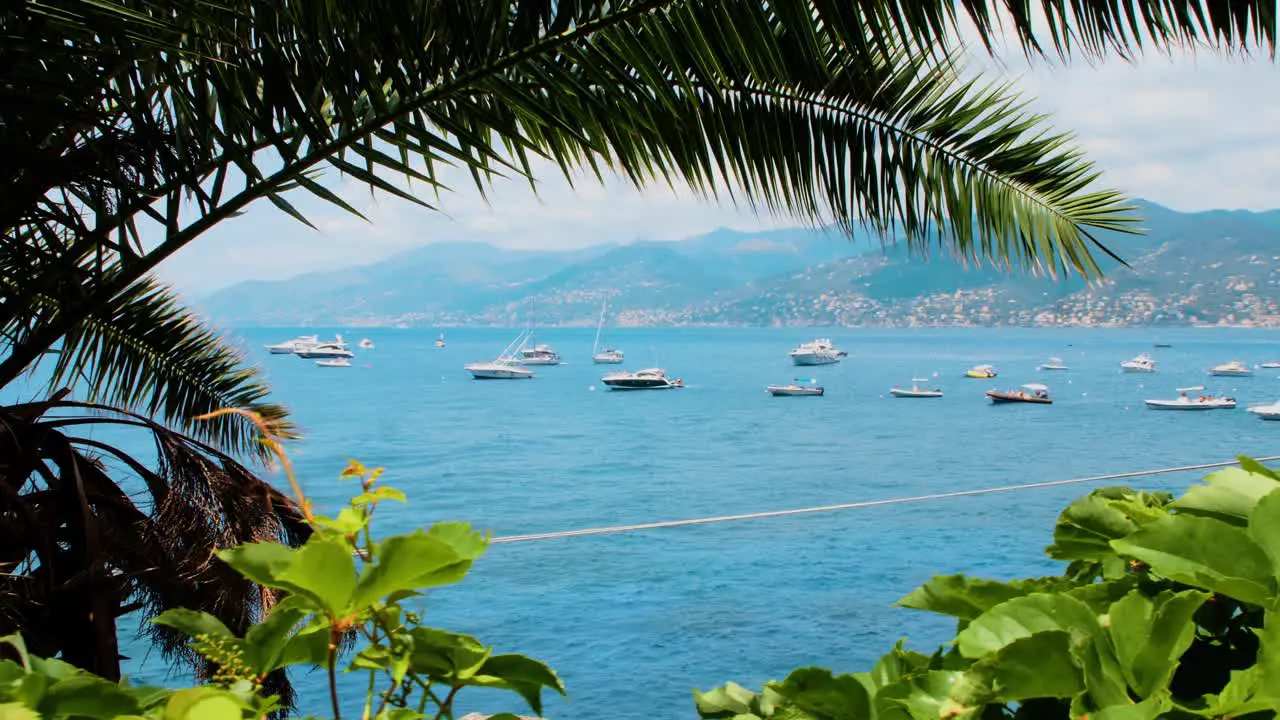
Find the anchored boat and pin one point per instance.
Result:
(917, 390)
(1033, 393)
(1186, 402)
(799, 388)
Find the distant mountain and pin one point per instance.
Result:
(1214, 267)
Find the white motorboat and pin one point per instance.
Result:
(800, 387)
(1143, 363)
(1186, 402)
(290, 347)
(1270, 365)
(365, 344)
(1267, 412)
(1055, 363)
(439, 341)
(917, 390)
(326, 350)
(1033, 393)
(817, 352)
(539, 355)
(607, 356)
(1235, 368)
(336, 362)
(504, 367)
(649, 379)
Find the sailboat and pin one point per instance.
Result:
(608, 356)
(440, 342)
(533, 353)
(504, 367)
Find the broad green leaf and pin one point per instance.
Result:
(1228, 495)
(897, 664)
(1148, 709)
(260, 562)
(818, 692)
(19, 646)
(409, 562)
(1204, 553)
(525, 676)
(310, 646)
(380, 493)
(1264, 528)
(1268, 663)
(193, 622)
(1023, 617)
(1150, 636)
(204, 703)
(1100, 595)
(468, 543)
(1038, 666)
(932, 695)
(967, 598)
(1086, 528)
(17, 711)
(348, 521)
(324, 570)
(265, 642)
(444, 654)
(725, 701)
(89, 696)
(1250, 465)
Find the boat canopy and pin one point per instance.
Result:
(1035, 387)
(1193, 388)
(919, 380)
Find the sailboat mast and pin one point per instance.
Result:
(595, 348)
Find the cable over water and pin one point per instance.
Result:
(865, 503)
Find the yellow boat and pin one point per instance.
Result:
(981, 372)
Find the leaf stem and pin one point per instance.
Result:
(334, 637)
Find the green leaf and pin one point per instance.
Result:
(1023, 617)
(896, 665)
(203, 703)
(260, 562)
(1264, 528)
(1150, 636)
(17, 711)
(931, 696)
(1086, 528)
(379, 494)
(1038, 666)
(818, 692)
(727, 701)
(1148, 709)
(1228, 495)
(265, 642)
(193, 622)
(525, 676)
(1248, 464)
(444, 654)
(468, 543)
(412, 562)
(86, 695)
(324, 570)
(967, 598)
(1204, 553)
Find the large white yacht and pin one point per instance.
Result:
(504, 367)
(817, 352)
(336, 348)
(650, 379)
(1235, 368)
(290, 347)
(539, 355)
(1143, 363)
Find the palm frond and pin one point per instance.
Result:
(79, 551)
(144, 352)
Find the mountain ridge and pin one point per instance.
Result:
(1205, 267)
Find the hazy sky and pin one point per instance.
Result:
(1192, 133)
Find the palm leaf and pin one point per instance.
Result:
(144, 352)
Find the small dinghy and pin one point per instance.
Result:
(801, 387)
(1266, 412)
(1055, 363)
(917, 390)
(336, 362)
(981, 372)
(1033, 393)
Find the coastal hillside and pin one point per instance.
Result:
(1215, 267)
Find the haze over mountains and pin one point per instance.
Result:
(1215, 267)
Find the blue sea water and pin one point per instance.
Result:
(633, 622)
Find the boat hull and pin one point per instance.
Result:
(1136, 369)
(1189, 406)
(332, 363)
(603, 359)
(490, 372)
(639, 385)
(980, 376)
(788, 391)
(811, 360)
(539, 361)
(324, 354)
(1270, 365)
(1231, 373)
(999, 398)
(898, 392)
(1267, 414)
(1054, 367)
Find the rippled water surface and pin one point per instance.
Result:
(632, 622)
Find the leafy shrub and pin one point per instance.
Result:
(328, 603)
(1167, 608)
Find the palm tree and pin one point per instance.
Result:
(131, 127)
